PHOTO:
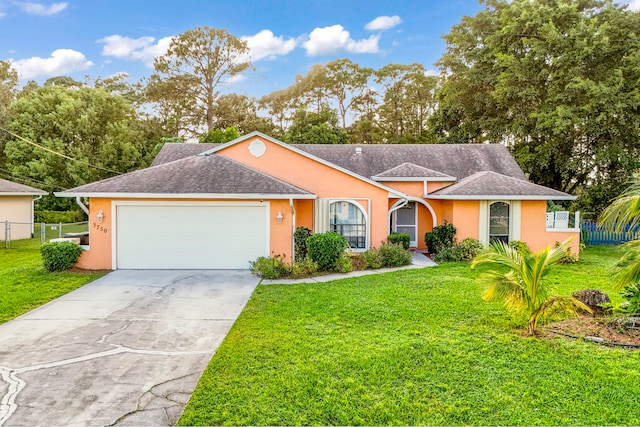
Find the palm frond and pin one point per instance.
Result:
(557, 305)
(625, 209)
(628, 267)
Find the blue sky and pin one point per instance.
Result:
(104, 37)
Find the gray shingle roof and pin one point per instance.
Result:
(212, 174)
(458, 160)
(409, 170)
(9, 187)
(487, 184)
(172, 151)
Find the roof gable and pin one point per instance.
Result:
(294, 148)
(195, 175)
(10, 188)
(489, 185)
(411, 172)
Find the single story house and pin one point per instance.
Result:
(223, 205)
(16, 210)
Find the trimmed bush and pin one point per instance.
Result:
(394, 255)
(403, 239)
(468, 249)
(372, 258)
(300, 241)
(270, 267)
(326, 249)
(304, 268)
(59, 256)
(442, 236)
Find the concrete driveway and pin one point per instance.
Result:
(127, 349)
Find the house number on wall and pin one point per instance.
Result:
(99, 227)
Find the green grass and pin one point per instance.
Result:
(24, 282)
(416, 347)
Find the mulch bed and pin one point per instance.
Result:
(585, 326)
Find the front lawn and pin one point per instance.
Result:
(25, 284)
(415, 347)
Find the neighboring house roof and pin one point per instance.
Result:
(9, 188)
(411, 172)
(489, 185)
(172, 151)
(207, 176)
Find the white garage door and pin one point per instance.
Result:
(183, 236)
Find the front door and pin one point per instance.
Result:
(405, 221)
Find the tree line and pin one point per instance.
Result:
(556, 81)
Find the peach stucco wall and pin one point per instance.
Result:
(317, 178)
(466, 218)
(16, 209)
(534, 228)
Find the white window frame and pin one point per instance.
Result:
(367, 222)
(515, 219)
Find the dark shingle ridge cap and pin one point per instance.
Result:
(411, 170)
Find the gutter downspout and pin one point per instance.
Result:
(82, 206)
(293, 230)
(33, 212)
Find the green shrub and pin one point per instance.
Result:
(394, 255)
(442, 236)
(300, 238)
(59, 256)
(344, 264)
(270, 267)
(468, 249)
(303, 268)
(372, 259)
(400, 238)
(326, 249)
(568, 257)
(56, 217)
(520, 246)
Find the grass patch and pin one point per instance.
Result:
(24, 282)
(414, 347)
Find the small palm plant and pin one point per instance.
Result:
(524, 288)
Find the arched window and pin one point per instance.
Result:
(348, 220)
(499, 222)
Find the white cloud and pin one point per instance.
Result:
(635, 5)
(432, 73)
(2, 15)
(328, 40)
(61, 61)
(266, 45)
(141, 49)
(41, 9)
(382, 23)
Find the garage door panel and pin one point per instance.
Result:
(191, 237)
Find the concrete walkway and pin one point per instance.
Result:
(127, 349)
(419, 261)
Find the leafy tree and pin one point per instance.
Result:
(99, 131)
(189, 77)
(408, 103)
(316, 128)
(8, 93)
(220, 135)
(556, 81)
(240, 111)
(524, 288)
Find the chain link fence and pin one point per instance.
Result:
(11, 231)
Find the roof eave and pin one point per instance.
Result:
(14, 193)
(112, 195)
(497, 197)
